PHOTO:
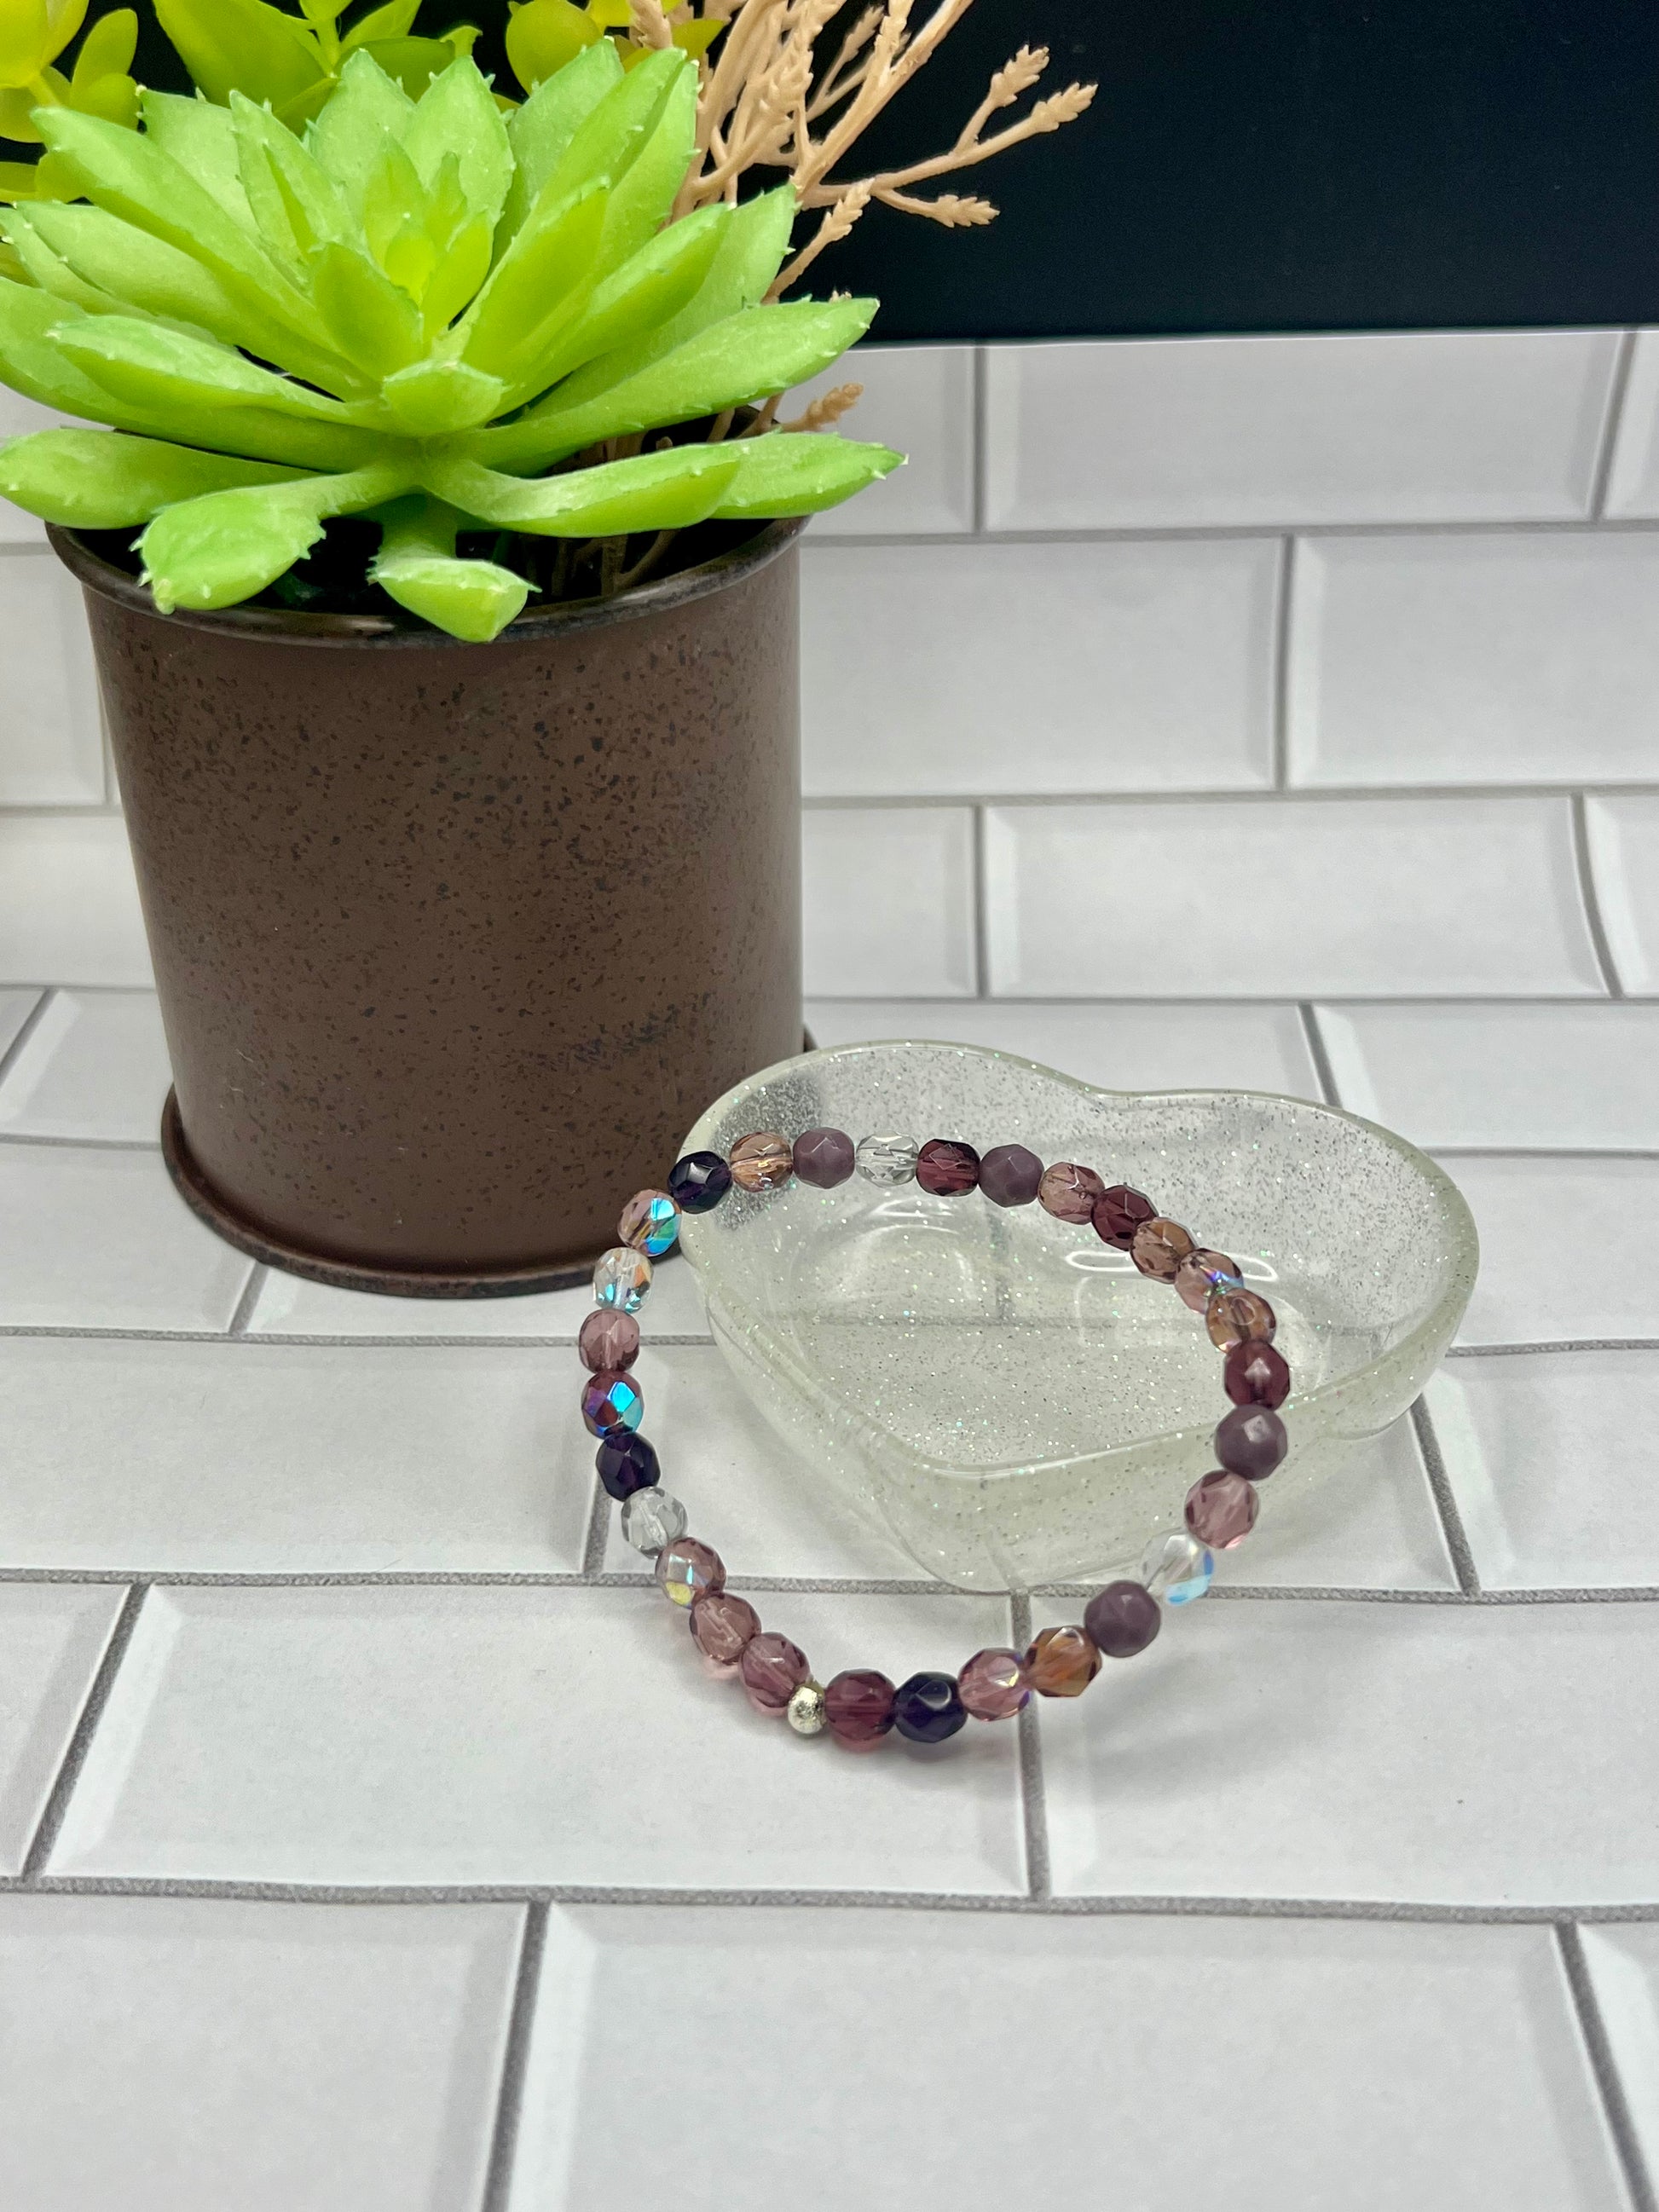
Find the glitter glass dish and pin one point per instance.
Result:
(1001, 1392)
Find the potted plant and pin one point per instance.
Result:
(440, 556)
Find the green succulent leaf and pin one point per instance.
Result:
(540, 132)
(242, 46)
(108, 49)
(394, 21)
(127, 265)
(615, 132)
(734, 363)
(433, 397)
(545, 36)
(224, 547)
(652, 491)
(791, 472)
(294, 202)
(47, 269)
(202, 139)
(368, 110)
(417, 566)
(106, 480)
(370, 319)
(643, 197)
(540, 283)
(149, 365)
(457, 119)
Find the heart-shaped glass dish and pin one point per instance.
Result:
(1003, 1393)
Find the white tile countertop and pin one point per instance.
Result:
(367, 1840)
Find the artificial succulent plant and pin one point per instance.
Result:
(444, 317)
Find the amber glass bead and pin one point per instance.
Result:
(1221, 1510)
(1063, 1662)
(723, 1625)
(1199, 1273)
(1119, 1212)
(947, 1169)
(1069, 1192)
(858, 1707)
(1237, 1317)
(764, 1161)
(1160, 1245)
(1254, 1374)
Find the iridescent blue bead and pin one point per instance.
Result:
(612, 1402)
(928, 1708)
(627, 1463)
(699, 1181)
(650, 1223)
(1177, 1568)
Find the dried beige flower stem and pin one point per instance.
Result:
(825, 411)
(837, 221)
(649, 25)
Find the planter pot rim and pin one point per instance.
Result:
(395, 628)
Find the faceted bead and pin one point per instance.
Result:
(1251, 1441)
(994, 1685)
(1063, 1662)
(805, 1710)
(609, 1340)
(887, 1159)
(773, 1669)
(650, 1223)
(1177, 1568)
(1199, 1273)
(723, 1625)
(1221, 1510)
(858, 1707)
(1253, 1374)
(947, 1169)
(1123, 1618)
(1238, 1316)
(823, 1157)
(699, 1181)
(621, 1280)
(927, 1708)
(612, 1402)
(651, 1518)
(1159, 1247)
(762, 1162)
(1119, 1213)
(1069, 1192)
(627, 1464)
(687, 1570)
(1010, 1175)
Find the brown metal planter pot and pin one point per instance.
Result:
(454, 942)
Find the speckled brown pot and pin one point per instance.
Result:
(454, 942)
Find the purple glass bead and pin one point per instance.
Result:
(995, 1685)
(1070, 1192)
(946, 1168)
(612, 1402)
(823, 1157)
(610, 1341)
(627, 1463)
(1119, 1212)
(723, 1625)
(699, 1181)
(1122, 1619)
(1009, 1175)
(858, 1707)
(1256, 1374)
(1251, 1441)
(928, 1708)
(1221, 1510)
(773, 1669)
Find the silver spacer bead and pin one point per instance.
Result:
(805, 1712)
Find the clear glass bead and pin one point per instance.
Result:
(652, 1518)
(1177, 1568)
(887, 1159)
(621, 1280)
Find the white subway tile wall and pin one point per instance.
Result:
(1270, 714)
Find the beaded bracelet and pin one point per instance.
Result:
(861, 1706)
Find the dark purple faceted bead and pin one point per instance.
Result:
(627, 1463)
(1120, 1213)
(823, 1157)
(1251, 1441)
(946, 1167)
(927, 1709)
(1010, 1174)
(1256, 1374)
(699, 1181)
(1123, 1618)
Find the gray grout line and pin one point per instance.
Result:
(1604, 2065)
(979, 496)
(981, 909)
(35, 1138)
(598, 1531)
(1400, 1911)
(86, 1727)
(238, 1323)
(1445, 1501)
(1612, 422)
(1590, 900)
(509, 2104)
(1280, 734)
(273, 1338)
(1558, 1344)
(1313, 1038)
(1033, 1792)
(1279, 526)
(1251, 794)
(1544, 1152)
(27, 1028)
(1470, 1001)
